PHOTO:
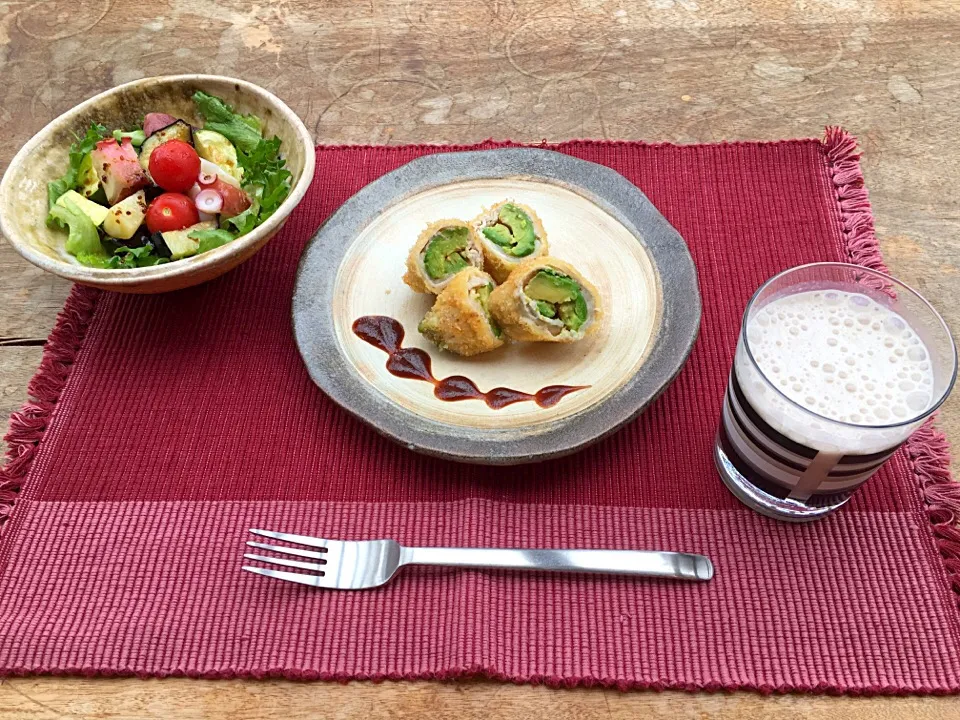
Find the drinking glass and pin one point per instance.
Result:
(782, 453)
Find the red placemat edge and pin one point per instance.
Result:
(927, 448)
(482, 672)
(548, 145)
(28, 425)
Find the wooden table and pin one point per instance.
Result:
(398, 71)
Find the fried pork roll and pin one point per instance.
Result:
(443, 249)
(459, 320)
(509, 234)
(546, 300)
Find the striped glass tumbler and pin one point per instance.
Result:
(836, 365)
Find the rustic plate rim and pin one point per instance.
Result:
(672, 341)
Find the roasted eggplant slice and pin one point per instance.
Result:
(178, 130)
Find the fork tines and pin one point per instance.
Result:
(316, 568)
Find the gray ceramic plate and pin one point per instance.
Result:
(593, 217)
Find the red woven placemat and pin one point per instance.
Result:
(165, 426)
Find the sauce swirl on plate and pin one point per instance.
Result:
(386, 334)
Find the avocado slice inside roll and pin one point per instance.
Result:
(513, 231)
(482, 296)
(460, 319)
(558, 296)
(445, 253)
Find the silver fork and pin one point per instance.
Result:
(355, 565)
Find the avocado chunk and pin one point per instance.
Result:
(124, 219)
(552, 287)
(513, 231)
(87, 179)
(83, 238)
(445, 253)
(499, 234)
(214, 147)
(180, 243)
(430, 329)
(574, 314)
(96, 213)
(560, 296)
(482, 296)
(546, 309)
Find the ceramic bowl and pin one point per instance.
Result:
(23, 191)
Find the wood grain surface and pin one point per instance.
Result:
(397, 71)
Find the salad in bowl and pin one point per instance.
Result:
(165, 190)
(157, 184)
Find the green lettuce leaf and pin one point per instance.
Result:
(211, 239)
(265, 176)
(83, 237)
(134, 257)
(264, 168)
(94, 260)
(242, 130)
(78, 151)
(123, 258)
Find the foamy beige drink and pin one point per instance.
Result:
(829, 378)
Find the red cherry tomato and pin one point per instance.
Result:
(171, 211)
(175, 166)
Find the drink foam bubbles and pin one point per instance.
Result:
(801, 341)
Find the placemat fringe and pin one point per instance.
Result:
(928, 448)
(929, 452)
(28, 425)
(858, 231)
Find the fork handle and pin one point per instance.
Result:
(647, 563)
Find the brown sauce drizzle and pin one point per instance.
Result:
(386, 334)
